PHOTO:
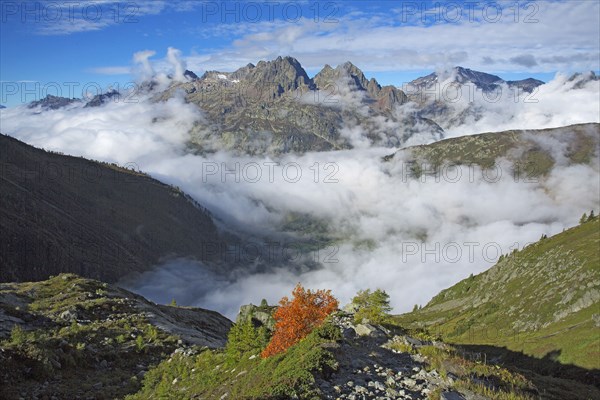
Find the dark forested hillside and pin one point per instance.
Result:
(68, 214)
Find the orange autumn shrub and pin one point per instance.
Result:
(296, 318)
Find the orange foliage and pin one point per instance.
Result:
(296, 318)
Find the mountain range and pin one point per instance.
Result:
(481, 80)
(274, 107)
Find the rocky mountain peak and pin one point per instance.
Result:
(373, 87)
(481, 80)
(355, 74)
(526, 84)
(276, 77)
(388, 96)
(51, 102)
(190, 75)
(328, 76)
(99, 99)
(327, 67)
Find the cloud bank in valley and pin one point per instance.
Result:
(409, 237)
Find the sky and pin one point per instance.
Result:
(65, 48)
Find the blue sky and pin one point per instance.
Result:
(57, 43)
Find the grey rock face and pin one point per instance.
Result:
(103, 98)
(52, 102)
(190, 75)
(528, 85)
(259, 315)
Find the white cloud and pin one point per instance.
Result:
(556, 103)
(392, 44)
(142, 60)
(59, 19)
(387, 227)
(177, 64)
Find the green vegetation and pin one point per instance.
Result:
(585, 218)
(542, 301)
(245, 340)
(212, 374)
(492, 381)
(525, 150)
(17, 336)
(76, 328)
(372, 306)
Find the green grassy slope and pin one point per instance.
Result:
(530, 152)
(543, 301)
(211, 375)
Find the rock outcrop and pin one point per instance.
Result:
(261, 315)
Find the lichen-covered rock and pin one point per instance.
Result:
(261, 315)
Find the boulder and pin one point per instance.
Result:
(368, 330)
(259, 315)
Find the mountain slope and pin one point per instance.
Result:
(87, 339)
(543, 301)
(461, 76)
(530, 153)
(338, 360)
(68, 214)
